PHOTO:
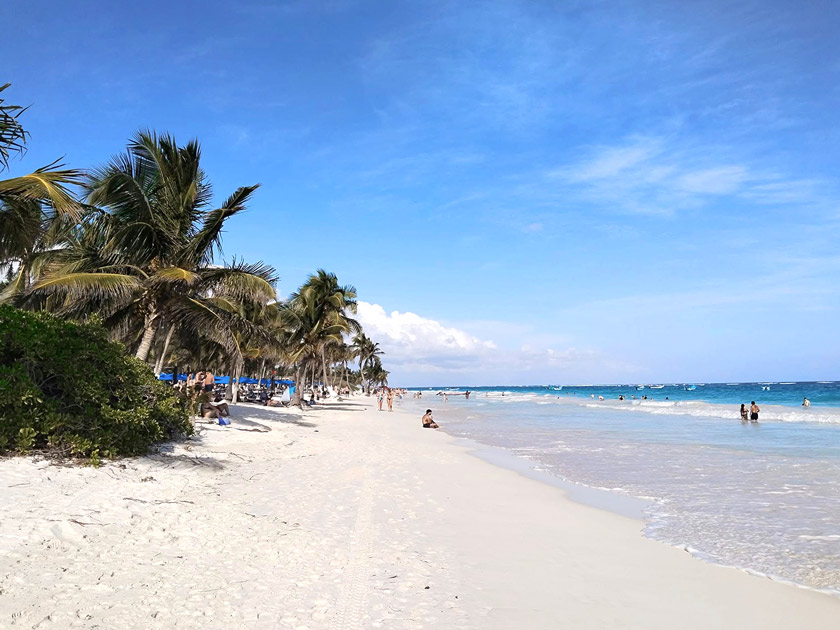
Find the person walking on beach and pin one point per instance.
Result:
(390, 400)
(754, 412)
(428, 421)
(209, 381)
(380, 399)
(744, 413)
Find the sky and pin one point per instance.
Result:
(522, 192)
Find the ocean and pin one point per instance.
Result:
(762, 497)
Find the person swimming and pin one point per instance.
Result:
(806, 403)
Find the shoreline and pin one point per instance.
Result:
(621, 504)
(346, 517)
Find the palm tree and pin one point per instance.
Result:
(377, 374)
(147, 257)
(330, 303)
(366, 351)
(48, 183)
(29, 204)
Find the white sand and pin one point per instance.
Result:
(368, 522)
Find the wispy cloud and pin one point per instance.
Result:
(659, 176)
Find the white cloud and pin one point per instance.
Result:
(722, 180)
(418, 342)
(612, 161)
(653, 175)
(419, 350)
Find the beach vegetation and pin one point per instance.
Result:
(69, 390)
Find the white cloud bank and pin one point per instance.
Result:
(422, 351)
(416, 342)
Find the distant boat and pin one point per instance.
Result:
(690, 388)
(556, 388)
(638, 387)
(656, 386)
(765, 388)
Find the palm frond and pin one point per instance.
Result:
(206, 244)
(48, 184)
(253, 282)
(86, 285)
(12, 134)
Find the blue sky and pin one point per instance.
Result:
(522, 192)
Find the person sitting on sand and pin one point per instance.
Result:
(806, 403)
(211, 409)
(754, 412)
(744, 413)
(428, 421)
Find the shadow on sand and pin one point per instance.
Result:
(268, 415)
(165, 456)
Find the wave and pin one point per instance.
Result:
(774, 413)
(699, 409)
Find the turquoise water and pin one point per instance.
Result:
(764, 498)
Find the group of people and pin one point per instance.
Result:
(386, 394)
(751, 414)
(202, 384)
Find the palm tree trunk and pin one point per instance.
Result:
(162, 358)
(296, 399)
(343, 375)
(238, 372)
(148, 336)
(324, 365)
(362, 374)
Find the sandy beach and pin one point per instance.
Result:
(343, 517)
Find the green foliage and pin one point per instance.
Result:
(65, 387)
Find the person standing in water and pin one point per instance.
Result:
(744, 413)
(806, 403)
(754, 412)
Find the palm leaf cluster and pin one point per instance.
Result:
(138, 247)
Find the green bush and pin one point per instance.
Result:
(66, 388)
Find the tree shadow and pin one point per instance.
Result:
(342, 406)
(166, 457)
(284, 415)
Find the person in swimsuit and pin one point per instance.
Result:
(754, 412)
(381, 397)
(390, 400)
(428, 421)
(209, 381)
(744, 413)
(806, 403)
